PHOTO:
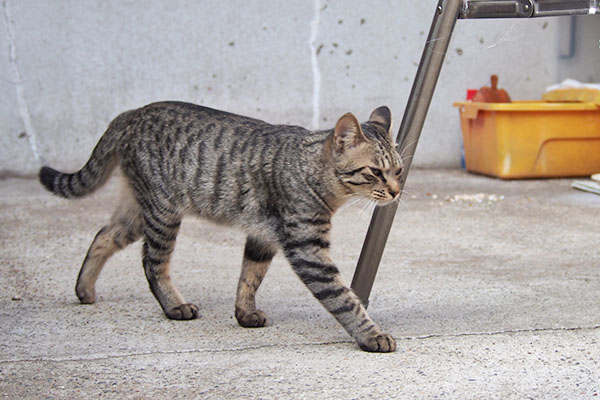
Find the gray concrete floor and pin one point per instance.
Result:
(491, 299)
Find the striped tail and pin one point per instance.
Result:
(96, 171)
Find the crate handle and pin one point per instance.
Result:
(468, 110)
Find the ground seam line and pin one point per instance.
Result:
(249, 348)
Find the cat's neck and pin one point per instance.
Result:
(322, 178)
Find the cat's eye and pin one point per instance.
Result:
(377, 172)
(399, 172)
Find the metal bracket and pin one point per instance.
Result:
(472, 9)
(556, 8)
(477, 9)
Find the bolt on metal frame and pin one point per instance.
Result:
(446, 14)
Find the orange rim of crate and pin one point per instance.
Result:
(470, 110)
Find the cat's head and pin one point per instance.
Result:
(365, 157)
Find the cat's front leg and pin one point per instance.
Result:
(309, 257)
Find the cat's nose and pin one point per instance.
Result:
(393, 193)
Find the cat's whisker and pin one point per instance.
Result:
(406, 158)
(350, 203)
(406, 147)
(406, 192)
(400, 201)
(365, 209)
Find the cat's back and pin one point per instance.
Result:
(183, 146)
(180, 121)
(167, 113)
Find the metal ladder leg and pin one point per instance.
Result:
(446, 14)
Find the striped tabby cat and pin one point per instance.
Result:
(281, 184)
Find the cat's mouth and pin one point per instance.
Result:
(383, 197)
(386, 202)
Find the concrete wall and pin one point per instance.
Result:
(69, 66)
(579, 48)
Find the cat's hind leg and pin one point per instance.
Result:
(125, 228)
(160, 231)
(257, 258)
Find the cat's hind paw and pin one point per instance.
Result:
(251, 319)
(183, 312)
(380, 343)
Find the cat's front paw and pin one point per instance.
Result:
(251, 319)
(86, 296)
(183, 312)
(380, 343)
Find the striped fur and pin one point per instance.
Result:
(281, 184)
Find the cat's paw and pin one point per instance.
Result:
(183, 312)
(251, 319)
(86, 296)
(380, 343)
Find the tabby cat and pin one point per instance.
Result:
(281, 184)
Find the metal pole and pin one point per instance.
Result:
(446, 14)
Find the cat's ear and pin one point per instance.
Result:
(347, 133)
(383, 116)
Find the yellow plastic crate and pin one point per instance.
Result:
(531, 139)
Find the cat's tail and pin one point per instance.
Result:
(96, 171)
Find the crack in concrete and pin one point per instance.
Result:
(18, 82)
(167, 352)
(293, 345)
(314, 54)
(504, 332)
